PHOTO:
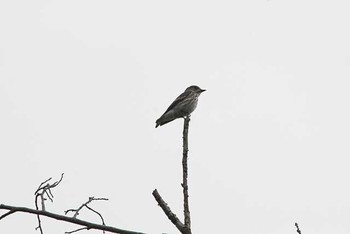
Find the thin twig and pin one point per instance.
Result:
(42, 184)
(297, 226)
(7, 214)
(46, 190)
(40, 193)
(39, 225)
(76, 211)
(77, 230)
(103, 221)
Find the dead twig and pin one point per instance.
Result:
(297, 226)
(44, 189)
(76, 211)
(77, 230)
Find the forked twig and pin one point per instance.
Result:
(44, 189)
(76, 211)
(184, 228)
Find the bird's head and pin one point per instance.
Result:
(195, 89)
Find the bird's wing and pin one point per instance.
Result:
(177, 101)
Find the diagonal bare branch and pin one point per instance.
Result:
(86, 224)
(180, 226)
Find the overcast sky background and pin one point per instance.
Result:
(82, 83)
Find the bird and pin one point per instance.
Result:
(183, 105)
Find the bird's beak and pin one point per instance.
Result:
(203, 90)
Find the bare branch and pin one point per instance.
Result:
(186, 227)
(185, 174)
(86, 224)
(168, 211)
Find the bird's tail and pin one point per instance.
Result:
(164, 119)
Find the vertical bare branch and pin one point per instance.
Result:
(184, 228)
(185, 174)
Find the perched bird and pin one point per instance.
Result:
(183, 105)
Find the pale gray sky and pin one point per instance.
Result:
(82, 83)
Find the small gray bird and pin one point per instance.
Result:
(183, 105)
